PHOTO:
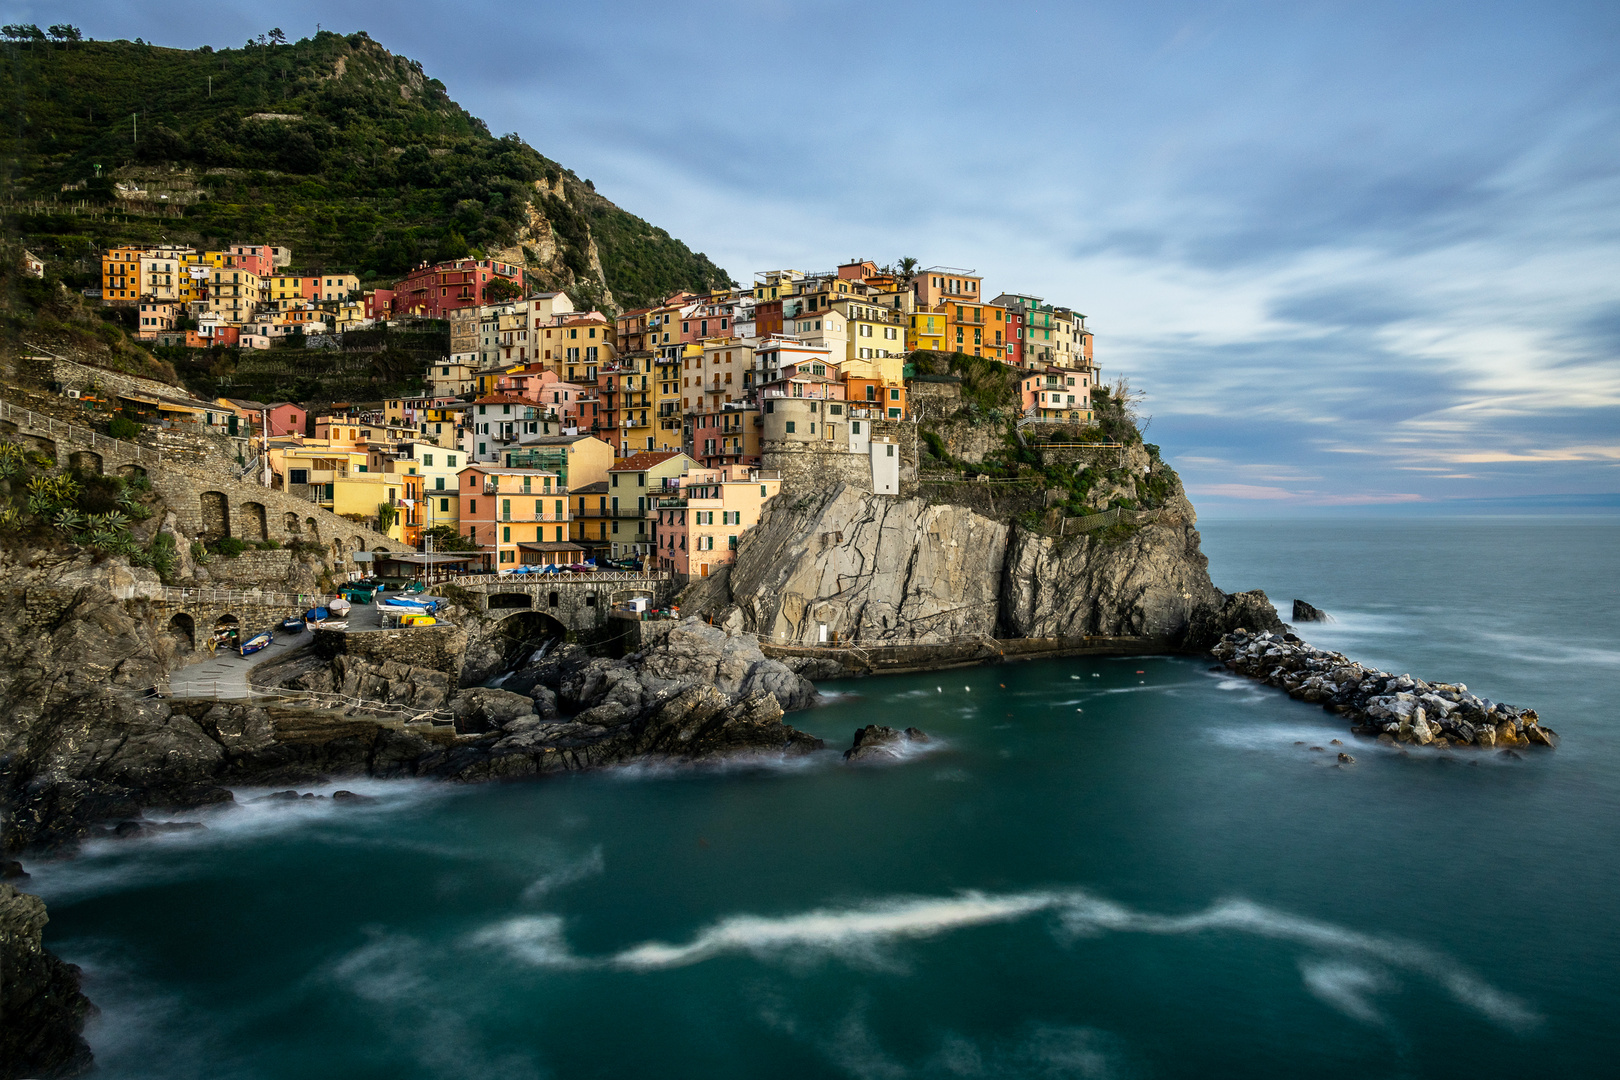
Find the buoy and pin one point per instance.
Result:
(969, 689)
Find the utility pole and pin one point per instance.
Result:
(210, 86)
(133, 131)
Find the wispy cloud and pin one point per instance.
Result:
(1368, 242)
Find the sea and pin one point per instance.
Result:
(1136, 867)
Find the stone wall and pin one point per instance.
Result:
(441, 648)
(816, 467)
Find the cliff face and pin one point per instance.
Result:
(1149, 583)
(867, 568)
(877, 570)
(42, 1012)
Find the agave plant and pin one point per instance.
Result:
(101, 539)
(9, 518)
(11, 460)
(111, 520)
(68, 519)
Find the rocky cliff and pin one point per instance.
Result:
(859, 569)
(42, 1012)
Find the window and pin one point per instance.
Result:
(790, 430)
(444, 506)
(890, 449)
(297, 476)
(472, 506)
(894, 393)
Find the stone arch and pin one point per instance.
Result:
(357, 543)
(216, 515)
(522, 632)
(552, 598)
(85, 461)
(510, 600)
(227, 631)
(183, 629)
(131, 472)
(39, 444)
(314, 528)
(250, 522)
(290, 522)
(337, 549)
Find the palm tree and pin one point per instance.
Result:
(906, 267)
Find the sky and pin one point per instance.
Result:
(1360, 257)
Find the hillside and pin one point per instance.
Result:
(332, 146)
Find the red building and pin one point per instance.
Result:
(435, 291)
(379, 303)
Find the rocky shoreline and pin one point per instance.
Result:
(1394, 709)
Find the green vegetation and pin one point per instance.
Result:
(47, 507)
(989, 387)
(331, 145)
(445, 538)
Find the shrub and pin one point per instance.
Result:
(230, 547)
(199, 553)
(123, 428)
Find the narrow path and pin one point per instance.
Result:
(225, 674)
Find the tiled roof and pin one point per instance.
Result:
(644, 460)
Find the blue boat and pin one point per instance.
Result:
(412, 604)
(315, 615)
(293, 625)
(255, 643)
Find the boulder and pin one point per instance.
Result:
(875, 743)
(484, 708)
(1346, 759)
(1304, 612)
(1540, 736)
(43, 1009)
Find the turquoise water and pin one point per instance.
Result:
(1102, 868)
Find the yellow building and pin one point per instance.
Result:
(233, 295)
(121, 275)
(873, 331)
(666, 397)
(927, 331)
(719, 374)
(362, 496)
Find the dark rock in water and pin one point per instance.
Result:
(877, 743)
(42, 1011)
(278, 796)
(1540, 736)
(1304, 612)
(1346, 759)
(352, 796)
(12, 870)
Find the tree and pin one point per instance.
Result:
(277, 37)
(446, 538)
(387, 514)
(906, 267)
(501, 290)
(22, 32)
(65, 32)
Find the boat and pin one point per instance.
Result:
(338, 607)
(403, 603)
(417, 620)
(255, 643)
(316, 614)
(293, 625)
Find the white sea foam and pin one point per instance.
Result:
(106, 865)
(566, 874)
(1345, 986)
(862, 934)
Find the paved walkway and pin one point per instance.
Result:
(225, 674)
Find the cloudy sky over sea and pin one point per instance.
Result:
(1359, 256)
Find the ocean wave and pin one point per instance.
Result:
(864, 935)
(107, 865)
(567, 873)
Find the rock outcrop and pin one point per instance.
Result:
(877, 744)
(861, 569)
(1392, 708)
(42, 1011)
(1304, 612)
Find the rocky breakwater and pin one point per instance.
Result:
(1392, 708)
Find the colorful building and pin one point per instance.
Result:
(510, 512)
(698, 528)
(632, 485)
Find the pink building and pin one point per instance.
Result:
(698, 530)
(435, 291)
(286, 418)
(257, 259)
